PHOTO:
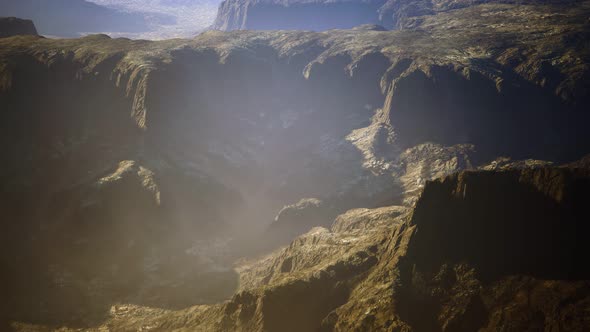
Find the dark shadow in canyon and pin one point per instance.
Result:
(79, 250)
(531, 224)
(513, 118)
(523, 227)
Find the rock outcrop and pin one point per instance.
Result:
(500, 238)
(12, 26)
(296, 219)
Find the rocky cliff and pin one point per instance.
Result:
(137, 172)
(321, 15)
(12, 26)
(481, 251)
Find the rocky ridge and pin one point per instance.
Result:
(321, 15)
(421, 269)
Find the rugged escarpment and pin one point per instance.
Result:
(135, 171)
(12, 26)
(508, 255)
(321, 15)
(481, 250)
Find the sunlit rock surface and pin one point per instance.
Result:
(420, 269)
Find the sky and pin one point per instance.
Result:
(191, 16)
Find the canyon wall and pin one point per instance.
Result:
(422, 268)
(319, 15)
(137, 172)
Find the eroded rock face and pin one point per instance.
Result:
(498, 236)
(12, 26)
(478, 252)
(135, 233)
(298, 218)
(321, 15)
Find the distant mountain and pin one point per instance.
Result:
(190, 16)
(70, 18)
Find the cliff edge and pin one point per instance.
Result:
(12, 26)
